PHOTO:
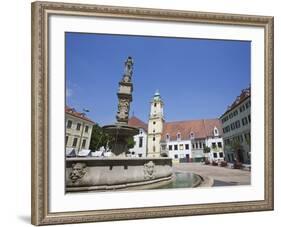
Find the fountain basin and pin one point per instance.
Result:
(120, 130)
(111, 173)
(120, 133)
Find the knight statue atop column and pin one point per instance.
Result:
(128, 70)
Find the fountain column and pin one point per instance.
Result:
(120, 131)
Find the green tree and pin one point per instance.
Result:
(99, 138)
(236, 146)
(130, 142)
(206, 151)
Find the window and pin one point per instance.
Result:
(167, 137)
(74, 142)
(175, 147)
(153, 130)
(242, 108)
(170, 147)
(69, 124)
(154, 122)
(248, 104)
(245, 121)
(249, 118)
(140, 155)
(221, 154)
(178, 136)
(193, 146)
(187, 146)
(153, 148)
(153, 138)
(219, 145)
(227, 141)
(216, 131)
(237, 124)
(227, 129)
(181, 146)
(240, 138)
(140, 141)
(155, 104)
(86, 128)
(176, 156)
(200, 145)
(214, 145)
(196, 145)
(66, 140)
(83, 143)
(78, 126)
(215, 155)
(191, 135)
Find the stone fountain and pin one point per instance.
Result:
(118, 171)
(120, 131)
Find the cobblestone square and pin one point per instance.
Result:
(222, 176)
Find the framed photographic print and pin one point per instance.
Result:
(149, 113)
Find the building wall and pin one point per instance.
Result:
(242, 133)
(139, 149)
(186, 149)
(179, 150)
(217, 152)
(73, 132)
(197, 149)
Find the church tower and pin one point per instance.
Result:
(155, 126)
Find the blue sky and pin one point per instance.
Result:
(197, 78)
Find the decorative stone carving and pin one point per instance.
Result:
(78, 171)
(125, 93)
(149, 170)
(123, 109)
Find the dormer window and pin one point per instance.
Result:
(167, 137)
(216, 131)
(178, 136)
(191, 135)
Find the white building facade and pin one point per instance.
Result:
(140, 148)
(184, 141)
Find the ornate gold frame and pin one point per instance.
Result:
(40, 14)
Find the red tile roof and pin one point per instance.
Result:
(200, 129)
(136, 122)
(73, 112)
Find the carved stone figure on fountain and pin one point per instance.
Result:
(123, 110)
(128, 70)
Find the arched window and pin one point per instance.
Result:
(167, 137)
(191, 135)
(178, 136)
(216, 131)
